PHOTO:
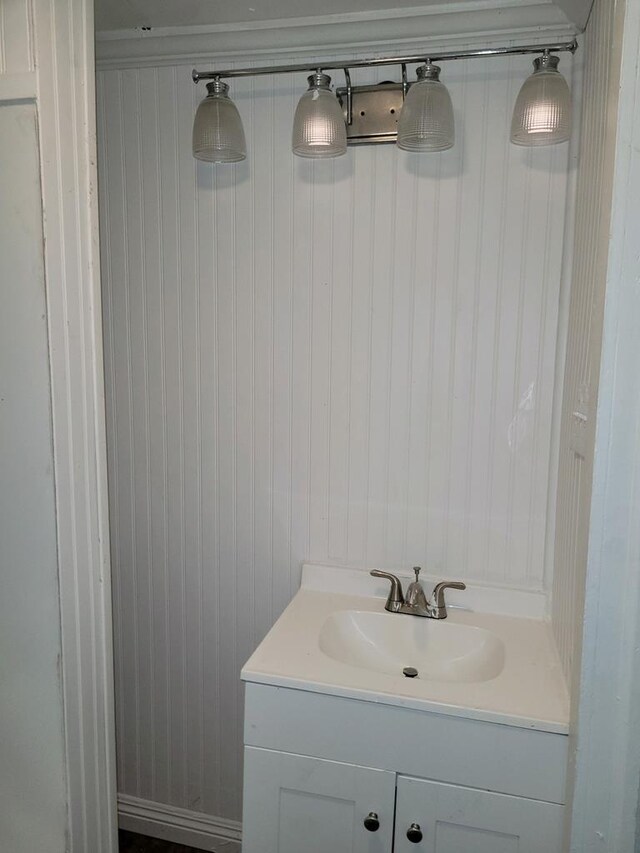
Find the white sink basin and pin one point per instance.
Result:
(335, 637)
(440, 650)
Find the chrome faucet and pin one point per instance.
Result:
(415, 602)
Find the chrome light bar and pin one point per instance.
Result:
(375, 62)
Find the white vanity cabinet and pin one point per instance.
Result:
(296, 803)
(299, 804)
(432, 817)
(318, 766)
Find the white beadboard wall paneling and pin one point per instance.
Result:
(346, 362)
(580, 388)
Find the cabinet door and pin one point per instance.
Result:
(453, 819)
(294, 804)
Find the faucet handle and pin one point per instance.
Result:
(395, 599)
(417, 570)
(437, 603)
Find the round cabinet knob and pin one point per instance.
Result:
(414, 833)
(372, 822)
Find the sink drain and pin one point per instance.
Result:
(410, 672)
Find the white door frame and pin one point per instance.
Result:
(64, 75)
(608, 738)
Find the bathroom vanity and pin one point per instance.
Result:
(344, 753)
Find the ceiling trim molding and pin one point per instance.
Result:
(432, 27)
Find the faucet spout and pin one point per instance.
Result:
(415, 597)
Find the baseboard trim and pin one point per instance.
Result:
(181, 826)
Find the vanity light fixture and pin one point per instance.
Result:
(417, 116)
(542, 114)
(218, 135)
(426, 120)
(319, 130)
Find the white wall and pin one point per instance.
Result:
(588, 274)
(349, 361)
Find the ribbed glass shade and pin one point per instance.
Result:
(542, 114)
(218, 135)
(426, 120)
(319, 129)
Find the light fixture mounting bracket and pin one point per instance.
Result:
(374, 111)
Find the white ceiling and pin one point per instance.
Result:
(130, 14)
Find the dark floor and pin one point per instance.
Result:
(130, 842)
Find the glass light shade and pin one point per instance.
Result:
(542, 114)
(218, 135)
(319, 129)
(426, 120)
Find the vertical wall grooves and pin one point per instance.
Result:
(410, 363)
(369, 419)
(183, 649)
(545, 386)
(290, 100)
(309, 360)
(131, 666)
(147, 459)
(165, 482)
(271, 361)
(216, 723)
(477, 273)
(252, 237)
(197, 702)
(386, 417)
(454, 331)
(517, 388)
(429, 415)
(111, 411)
(328, 363)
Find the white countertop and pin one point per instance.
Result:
(529, 692)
